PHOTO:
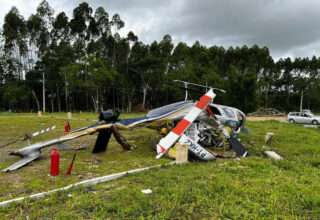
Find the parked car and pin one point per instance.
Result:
(304, 117)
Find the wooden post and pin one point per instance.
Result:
(181, 153)
(268, 137)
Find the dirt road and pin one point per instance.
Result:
(277, 118)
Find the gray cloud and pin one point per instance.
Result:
(287, 27)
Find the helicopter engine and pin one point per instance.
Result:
(207, 135)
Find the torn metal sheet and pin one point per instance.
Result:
(273, 155)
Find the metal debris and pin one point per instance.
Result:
(273, 155)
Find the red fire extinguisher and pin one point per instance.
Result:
(54, 162)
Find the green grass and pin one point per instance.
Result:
(250, 188)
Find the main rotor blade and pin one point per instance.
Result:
(194, 84)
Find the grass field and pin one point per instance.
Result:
(254, 187)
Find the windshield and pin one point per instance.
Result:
(229, 113)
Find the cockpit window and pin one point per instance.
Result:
(214, 110)
(229, 112)
(239, 116)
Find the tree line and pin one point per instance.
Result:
(83, 64)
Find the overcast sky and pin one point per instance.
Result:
(286, 27)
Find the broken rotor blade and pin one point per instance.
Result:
(37, 146)
(27, 137)
(166, 143)
(28, 152)
(42, 131)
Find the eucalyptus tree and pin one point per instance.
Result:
(79, 27)
(39, 28)
(14, 32)
(127, 77)
(90, 75)
(61, 30)
(103, 26)
(117, 24)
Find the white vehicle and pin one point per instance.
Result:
(303, 118)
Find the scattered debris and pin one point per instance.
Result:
(146, 191)
(267, 112)
(109, 186)
(69, 195)
(311, 126)
(65, 147)
(69, 115)
(83, 147)
(273, 155)
(268, 137)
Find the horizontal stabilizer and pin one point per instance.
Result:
(23, 161)
(240, 150)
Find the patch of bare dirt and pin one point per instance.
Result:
(265, 118)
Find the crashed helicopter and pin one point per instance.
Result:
(186, 121)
